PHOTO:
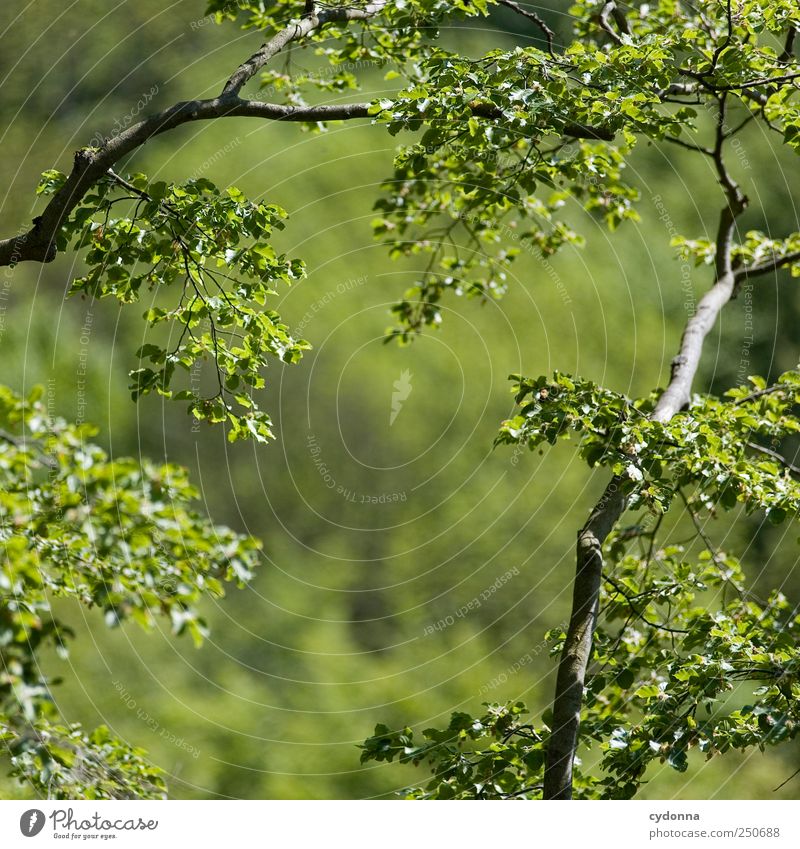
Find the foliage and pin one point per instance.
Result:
(118, 535)
(663, 682)
(214, 247)
(60, 762)
(500, 128)
(509, 767)
(672, 675)
(724, 448)
(504, 148)
(676, 673)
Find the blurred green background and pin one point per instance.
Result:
(335, 633)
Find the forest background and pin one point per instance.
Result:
(409, 569)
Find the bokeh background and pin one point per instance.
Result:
(374, 531)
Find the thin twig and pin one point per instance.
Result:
(639, 613)
(696, 148)
(784, 783)
(772, 265)
(760, 393)
(762, 449)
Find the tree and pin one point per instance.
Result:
(503, 145)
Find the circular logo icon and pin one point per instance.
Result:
(31, 822)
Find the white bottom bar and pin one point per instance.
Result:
(399, 825)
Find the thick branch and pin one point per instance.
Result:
(577, 650)
(90, 165)
(684, 366)
(578, 644)
(484, 109)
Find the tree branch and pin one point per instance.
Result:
(39, 243)
(684, 366)
(689, 146)
(738, 87)
(312, 21)
(759, 393)
(766, 267)
(762, 449)
(577, 650)
(638, 612)
(532, 16)
(783, 783)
